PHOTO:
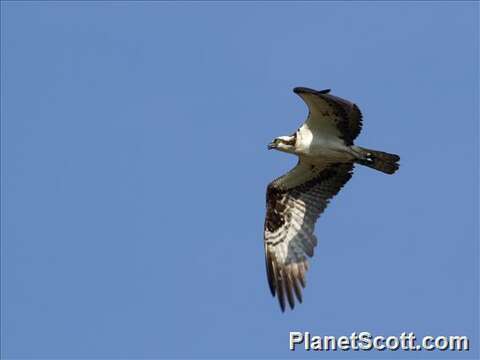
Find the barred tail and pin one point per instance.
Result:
(379, 160)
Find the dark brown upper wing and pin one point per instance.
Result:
(331, 114)
(352, 112)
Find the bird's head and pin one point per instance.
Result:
(284, 143)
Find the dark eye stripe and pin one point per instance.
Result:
(293, 141)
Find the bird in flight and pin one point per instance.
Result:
(326, 156)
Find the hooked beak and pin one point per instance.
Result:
(272, 145)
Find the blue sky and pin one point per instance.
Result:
(134, 168)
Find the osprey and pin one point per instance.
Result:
(326, 156)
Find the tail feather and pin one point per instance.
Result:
(379, 160)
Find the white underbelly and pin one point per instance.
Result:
(324, 146)
(330, 149)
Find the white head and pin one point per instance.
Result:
(284, 143)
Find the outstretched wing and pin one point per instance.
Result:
(294, 203)
(331, 115)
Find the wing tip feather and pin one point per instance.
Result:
(304, 90)
(270, 265)
(287, 282)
